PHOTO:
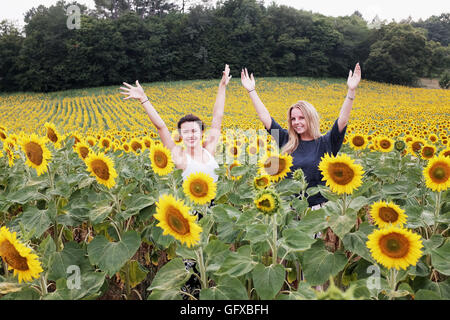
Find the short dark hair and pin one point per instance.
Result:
(191, 117)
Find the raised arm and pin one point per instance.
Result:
(352, 83)
(214, 132)
(249, 84)
(139, 94)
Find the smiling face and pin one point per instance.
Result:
(298, 122)
(191, 133)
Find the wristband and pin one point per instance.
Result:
(350, 98)
(252, 90)
(144, 101)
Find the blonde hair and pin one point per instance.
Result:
(312, 120)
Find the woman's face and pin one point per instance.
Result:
(191, 133)
(298, 121)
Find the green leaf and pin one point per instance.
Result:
(257, 233)
(287, 187)
(440, 258)
(228, 288)
(304, 292)
(25, 194)
(111, 256)
(33, 218)
(136, 203)
(433, 243)
(72, 254)
(296, 239)
(358, 202)
(90, 283)
(356, 243)
(24, 294)
(216, 251)
(46, 249)
(268, 280)
(136, 272)
(342, 224)
(171, 276)
(100, 212)
(313, 222)
(238, 263)
(423, 294)
(319, 264)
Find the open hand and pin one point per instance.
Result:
(133, 92)
(247, 82)
(225, 76)
(354, 77)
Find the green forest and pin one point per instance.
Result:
(162, 40)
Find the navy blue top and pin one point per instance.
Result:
(308, 154)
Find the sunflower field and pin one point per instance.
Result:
(92, 206)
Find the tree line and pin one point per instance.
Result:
(163, 40)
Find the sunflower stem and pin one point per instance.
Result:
(436, 212)
(201, 266)
(392, 281)
(43, 284)
(274, 239)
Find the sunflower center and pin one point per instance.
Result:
(176, 221)
(274, 165)
(447, 153)
(265, 203)
(234, 151)
(84, 152)
(428, 152)
(394, 245)
(12, 256)
(52, 135)
(160, 159)
(2, 135)
(100, 169)
(126, 147)
(262, 182)
(136, 146)
(147, 143)
(388, 214)
(416, 146)
(440, 172)
(399, 145)
(385, 144)
(34, 152)
(199, 188)
(105, 143)
(252, 150)
(358, 141)
(341, 173)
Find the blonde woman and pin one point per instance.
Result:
(303, 140)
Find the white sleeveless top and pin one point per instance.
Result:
(193, 166)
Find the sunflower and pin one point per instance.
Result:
(105, 143)
(399, 145)
(275, 165)
(37, 154)
(415, 145)
(252, 149)
(395, 247)
(136, 145)
(11, 155)
(385, 144)
(233, 150)
(161, 159)
(91, 140)
(102, 168)
(437, 173)
(341, 174)
(19, 257)
(433, 138)
(235, 163)
(148, 142)
(267, 201)
(445, 153)
(176, 137)
(53, 135)
(2, 135)
(358, 142)
(261, 182)
(385, 214)
(428, 151)
(82, 148)
(200, 187)
(174, 218)
(126, 147)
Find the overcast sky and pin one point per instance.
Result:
(385, 9)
